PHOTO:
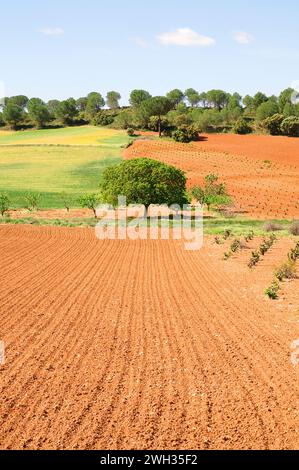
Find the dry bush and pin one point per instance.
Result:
(272, 227)
(286, 271)
(294, 228)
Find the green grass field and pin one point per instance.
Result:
(53, 161)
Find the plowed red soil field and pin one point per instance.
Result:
(123, 344)
(261, 172)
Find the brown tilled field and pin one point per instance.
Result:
(124, 345)
(261, 172)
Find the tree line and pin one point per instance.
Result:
(179, 114)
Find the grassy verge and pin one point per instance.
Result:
(239, 227)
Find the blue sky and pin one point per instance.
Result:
(57, 49)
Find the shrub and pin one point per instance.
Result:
(242, 127)
(272, 239)
(103, 119)
(227, 255)
(180, 136)
(185, 134)
(227, 233)
(266, 110)
(32, 201)
(294, 229)
(266, 245)
(272, 291)
(131, 132)
(273, 124)
(255, 258)
(4, 204)
(293, 255)
(123, 120)
(129, 144)
(228, 213)
(272, 227)
(218, 240)
(249, 236)
(290, 126)
(286, 271)
(235, 246)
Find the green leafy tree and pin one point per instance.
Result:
(13, 115)
(95, 102)
(216, 200)
(266, 110)
(124, 119)
(91, 201)
(285, 98)
(158, 106)
(217, 99)
(66, 111)
(38, 112)
(144, 181)
(231, 115)
(52, 106)
(19, 100)
(203, 99)
(234, 101)
(4, 203)
(180, 117)
(198, 193)
(4, 102)
(212, 194)
(112, 99)
(258, 99)
(248, 101)
(67, 200)
(208, 119)
(192, 96)
(137, 97)
(154, 123)
(32, 201)
(290, 109)
(175, 97)
(81, 104)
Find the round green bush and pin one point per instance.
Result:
(131, 132)
(185, 134)
(290, 126)
(144, 181)
(273, 124)
(242, 127)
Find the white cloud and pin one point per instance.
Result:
(140, 42)
(242, 37)
(185, 37)
(52, 31)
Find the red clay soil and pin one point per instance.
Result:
(261, 172)
(283, 150)
(52, 214)
(124, 345)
